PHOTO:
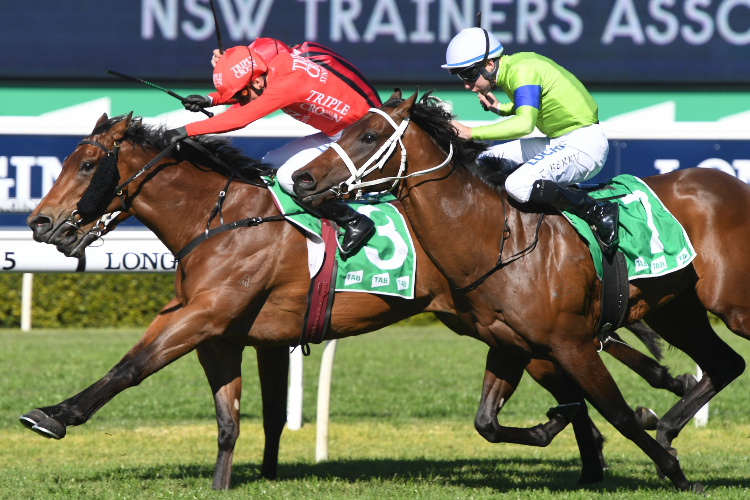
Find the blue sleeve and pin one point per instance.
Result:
(527, 95)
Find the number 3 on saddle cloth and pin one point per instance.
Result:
(385, 264)
(651, 243)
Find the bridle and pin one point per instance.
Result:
(72, 219)
(383, 154)
(378, 160)
(106, 219)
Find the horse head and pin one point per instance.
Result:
(85, 189)
(361, 141)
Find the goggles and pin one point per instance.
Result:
(468, 75)
(242, 96)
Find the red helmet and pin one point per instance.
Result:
(236, 69)
(268, 48)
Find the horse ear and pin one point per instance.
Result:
(101, 120)
(396, 94)
(404, 109)
(119, 129)
(415, 101)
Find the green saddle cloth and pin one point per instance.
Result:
(385, 264)
(651, 239)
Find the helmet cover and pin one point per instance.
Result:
(236, 68)
(468, 47)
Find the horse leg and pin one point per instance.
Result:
(222, 362)
(273, 369)
(582, 363)
(35, 416)
(655, 374)
(684, 324)
(190, 326)
(588, 437)
(502, 375)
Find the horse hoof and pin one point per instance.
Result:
(566, 411)
(32, 418)
(646, 418)
(672, 452)
(697, 487)
(687, 382)
(591, 477)
(50, 428)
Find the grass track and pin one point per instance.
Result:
(402, 409)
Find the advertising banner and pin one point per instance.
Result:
(394, 41)
(121, 252)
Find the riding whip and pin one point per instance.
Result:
(135, 79)
(216, 24)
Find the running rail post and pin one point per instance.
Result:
(324, 400)
(26, 295)
(294, 398)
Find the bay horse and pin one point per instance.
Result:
(518, 308)
(216, 314)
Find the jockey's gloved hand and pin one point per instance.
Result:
(175, 135)
(195, 103)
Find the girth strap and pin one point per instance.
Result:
(613, 303)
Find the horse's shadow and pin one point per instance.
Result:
(500, 475)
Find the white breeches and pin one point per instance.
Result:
(569, 159)
(294, 155)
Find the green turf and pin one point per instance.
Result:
(401, 427)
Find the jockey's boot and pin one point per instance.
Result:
(601, 215)
(356, 225)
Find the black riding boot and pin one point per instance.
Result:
(602, 215)
(357, 226)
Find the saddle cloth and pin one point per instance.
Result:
(653, 242)
(385, 264)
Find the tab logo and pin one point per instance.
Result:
(402, 283)
(217, 80)
(381, 280)
(640, 264)
(352, 278)
(659, 265)
(683, 257)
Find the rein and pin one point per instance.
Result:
(248, 222)
(119, 189)
(381, 156)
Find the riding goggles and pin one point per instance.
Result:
(468, 75)
(242, 96)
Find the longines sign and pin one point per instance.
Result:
(394, 41)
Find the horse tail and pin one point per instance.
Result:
(650, 338)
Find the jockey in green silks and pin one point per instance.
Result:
(545, 95)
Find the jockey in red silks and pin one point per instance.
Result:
(310, 83)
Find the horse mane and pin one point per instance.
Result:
(430, 115)
(152, 138)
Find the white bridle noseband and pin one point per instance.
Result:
(378, 160)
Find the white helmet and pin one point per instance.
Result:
(470, 47)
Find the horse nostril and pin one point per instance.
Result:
(305, 178)
(40, 224)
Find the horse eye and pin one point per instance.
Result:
(86, 166)
(369, 138)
